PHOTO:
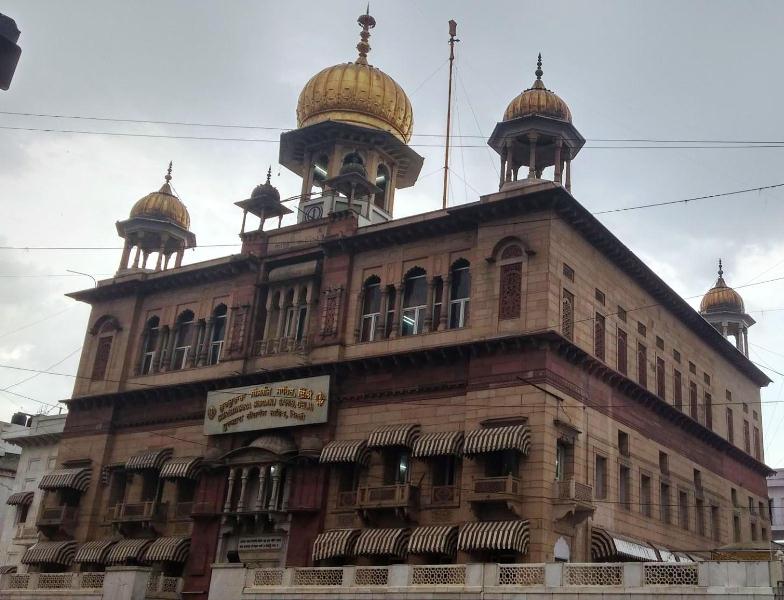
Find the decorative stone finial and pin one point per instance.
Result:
(269, 174)
(721, 271)
(539, 71)
(363, 47)
(168, 173)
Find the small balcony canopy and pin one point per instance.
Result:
(75, 479)
(334, 543)
(495, 439)
(55, 553)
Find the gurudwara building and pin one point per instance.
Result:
(485, 399)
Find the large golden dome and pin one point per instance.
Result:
(538, 100)
(357, 93)
(722, 298)
(163, 205)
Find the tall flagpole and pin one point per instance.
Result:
(452, 40)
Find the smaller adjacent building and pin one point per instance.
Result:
(776, 503)
(39, 440)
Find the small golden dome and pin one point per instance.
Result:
(163, 205)
(538, 100)
(722, 298)
(357, 93)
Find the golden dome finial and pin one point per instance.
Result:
(269, 174)
(721, 271)
(539, 71)
(366, 22)
(168, 173)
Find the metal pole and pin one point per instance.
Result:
(452, 40)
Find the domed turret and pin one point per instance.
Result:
(264, 202)
(723, 308)
(536, 132)
(158, 222)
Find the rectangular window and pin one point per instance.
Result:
(149, 486)
(708, 399)
(567, 315)
(736, 528)
(396, 466)
(624, 485)
(642, 365)
(699, 510)
(501, 464)
(660, 379)
(676, 356)
(664, 502)
(734, 497)
(757, 453)
(706, 378)
(117, 484)
(692, 368)
(568, 272)
(714, 516)
(599, 295)
(623, 366)
(623, 443)
(444, 470)
(642, 329)
(693, 410)
(746, 440)
(600, 478)
(371, 312)
(459, 298)
(102, 357)
(295, 322)
(659, 343)
(677, 389)
(683, 509)
(753, 528)
(622, 313)
(348, 478)
(598, 337)
(645, 495)
(561, 469)
(698, 479)
(21, 513)
(754, 415)
(664, 463)
(730, 427)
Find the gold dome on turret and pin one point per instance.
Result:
(357, 93)
(722, 298)
(538, 100)
(163, 205)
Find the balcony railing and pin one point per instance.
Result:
(130, 512)
(287, 345)
(57, 516)
(573, 490)
(444, 495)
(24, 531)
(183, 510)
(388, 496)
(347, 499)
(492, 489)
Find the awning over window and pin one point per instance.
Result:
(345, 451)
(494, 535)
(57, 553)
(5, 569)
(334, 543)
(442, 443)
(149, 459)
(171, 549)
(606, 546)
(94, 552)
(20, 499)
(182, 467)
(394, 435)
(382, 542)
(434, 540)
(75, 479)
(127, 550)
(493, 439)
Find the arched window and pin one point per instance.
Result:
(182, 340)
(371, 309)
(414, 302)
(511, 277)
(151, 337)
(382, 182)
(218, 334)
(105, 328)
(320, 170)
(460, 294)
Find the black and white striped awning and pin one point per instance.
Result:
(149, 459)
(127, 550)
(20, 499)
(168, 549)
(394, 435)
(493, 439)
(6, 569)
(345, 451)
(441, 443)
(182, 467)
(440, 539)
(334, 543)
(382, 542)
(74, 479)
(94, 552)
(55, 553)
(494, 535)
(608, 547)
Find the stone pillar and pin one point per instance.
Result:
(260, 494)
(557, 176)
(206, 345)
(275, 474)
(532, 137)
(198, 329)
(126, 254)
(724, 329)
(136, 257)
(509, 161)
(308, 308)
(568, 174)
(381, 326)
(431, 286)
(145, 256)
(160, 351)
(243, 485)
(284, 503)
(230, 490)
(178, 261)
(396, 314)
(281, 317)
(359, 314)
(502, 172)
(170, 349)
(745, 341)
(446, 297)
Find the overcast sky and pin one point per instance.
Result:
(628, 70)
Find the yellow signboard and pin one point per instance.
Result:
(267, 406)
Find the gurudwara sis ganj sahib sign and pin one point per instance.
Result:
(268, 405)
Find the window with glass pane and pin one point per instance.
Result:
(414, 303)
(460, 295)
(444, 469)
(218, 334)
(371, 310)
(503, 463)
(396, 466)
(182, 343)
(560, 461)
(295, 322)
(150, 344)
(391, 296)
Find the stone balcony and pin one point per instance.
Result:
(570, 581)
(129, 515)
(24, 532)
(57, 518)
(286, 345)
(493, 490)
(403, 498)
(573, 501)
